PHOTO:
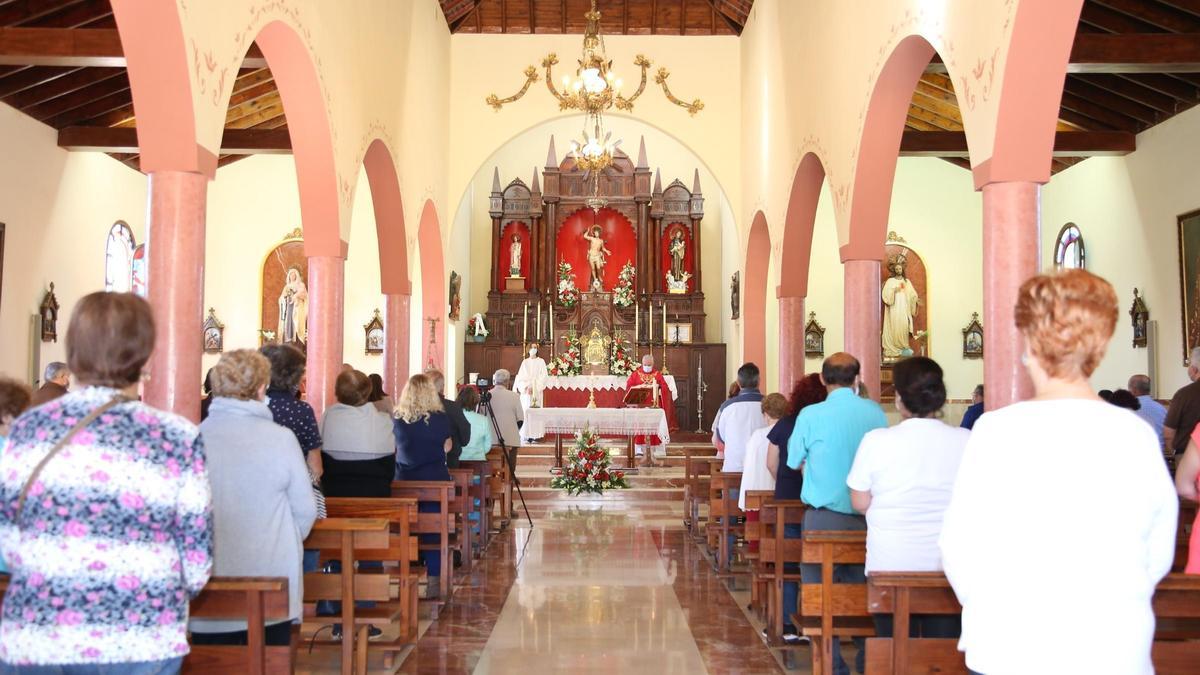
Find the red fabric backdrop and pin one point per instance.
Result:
(619, 238)
(689, 264)
(506, 240)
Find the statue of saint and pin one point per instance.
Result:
(596, 257)
(900, 306)
(677, 249)
(293, 309)
(514, 257)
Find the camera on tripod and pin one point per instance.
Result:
(484, 385)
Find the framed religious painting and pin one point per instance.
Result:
(1189, 279)
(973, 338)
(284, 294)
(374, 334)
(814, 337)
(214, 333)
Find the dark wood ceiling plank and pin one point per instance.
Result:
(26, 11)
(61, 86)
(1153, 14)
(1098, 113)
(28, 77)
(233, 141)
(1066, 143)
(74, 16)
(1163, 84)
(1105, 19)
(84, 96)
(1131, 90)
(1154, 53)
(1190, 6)
(932, 118)
(89, 47)
(97, 107)
(1128, 108)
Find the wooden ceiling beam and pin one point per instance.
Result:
(30, 77)
(1127, 107)
(1190, 6)
(1127, 53)
(117, 85)
(1164, 84)
(61, 86)
(233, 141)
(729, 21)
(1098, 112)
(1110, 21)
(1157, 15)
(86, 47)
(1130, 89)
(116, 100)
(74, 16)
(1066, 143)
(30, 11)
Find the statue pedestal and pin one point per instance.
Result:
(514, 284)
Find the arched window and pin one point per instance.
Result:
(1069, 252)
(118, 258)
(138, 281)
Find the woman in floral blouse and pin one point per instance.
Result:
(114, 536)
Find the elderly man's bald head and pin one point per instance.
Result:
(839, 370)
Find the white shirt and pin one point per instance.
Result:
(1061, 524)
(909, 470)
(352, 433)
(755, 475)
(737, 418)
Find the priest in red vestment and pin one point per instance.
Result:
(648, 375)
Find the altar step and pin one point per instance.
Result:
(542, 454)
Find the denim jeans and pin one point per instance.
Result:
(922, 625)
(165, 667)
(824, 519)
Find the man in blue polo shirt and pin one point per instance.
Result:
(825, 441)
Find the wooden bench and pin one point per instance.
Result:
(903, 594)
(722, 510)
(1176, 649)
(461, 506)
(397, 556)
(829, 608)
(500, 485)
(440, 523)
(696, 470)
(1187, 518)
(350, 537)
(776, 552)
(481, 473)
(753, 533)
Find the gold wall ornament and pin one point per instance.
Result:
(627, 103)
(531, 76)
(692, 108)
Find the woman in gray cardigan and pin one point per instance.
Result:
(262, 498)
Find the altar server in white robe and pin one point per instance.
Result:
(531, 379)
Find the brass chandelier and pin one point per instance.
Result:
(594, 90)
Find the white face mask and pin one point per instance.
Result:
(532, 352)
(647, 368)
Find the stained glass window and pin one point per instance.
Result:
(138, 282)
(118, 258)
(1069, 252)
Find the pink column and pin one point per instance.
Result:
(791, 342)
(175, 253)
(326, 282)
(396, 331)
(863, 321)
(1011, 234)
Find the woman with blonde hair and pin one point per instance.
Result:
(422, 433)
(1033, 522)
(263, 505)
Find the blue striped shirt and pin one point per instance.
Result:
(826, 439)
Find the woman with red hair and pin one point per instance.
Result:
(1038, 531)
(808, 390)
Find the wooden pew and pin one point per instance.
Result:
(257, 601)
(350, 537)
(828, 608)
(754, 503)
(775, 552)
(723, 507)
(1187, 518)
(397, 557)
(461, 506)
(903, 594)
(440, 523)
(1176, 649)
(695, 488)
(500, 485)
(481, 471)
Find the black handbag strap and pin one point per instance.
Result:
(62, 443)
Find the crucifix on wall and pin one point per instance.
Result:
(433, 322)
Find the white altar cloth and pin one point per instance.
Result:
(600, 382)
(605, 421)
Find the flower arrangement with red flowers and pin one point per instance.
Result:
(570, 362)
(623, 293)
(620, 361)
(568, 294)
(587, 468)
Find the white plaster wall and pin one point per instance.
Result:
(1126, 208)
(58, 208)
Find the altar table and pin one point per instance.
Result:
(577, 390)
(628, 422)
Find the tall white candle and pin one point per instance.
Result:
(539, 322)
(525, 325)
(650, 324)
(636, 334)
(664, 313)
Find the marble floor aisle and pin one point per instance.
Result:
(596, 586)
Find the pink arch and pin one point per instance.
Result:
(156, 58)
(754, 307)
(312, 142)
(1030, 95)
(389, 219)
(433, 285)
(879, 148)
(798, 224)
